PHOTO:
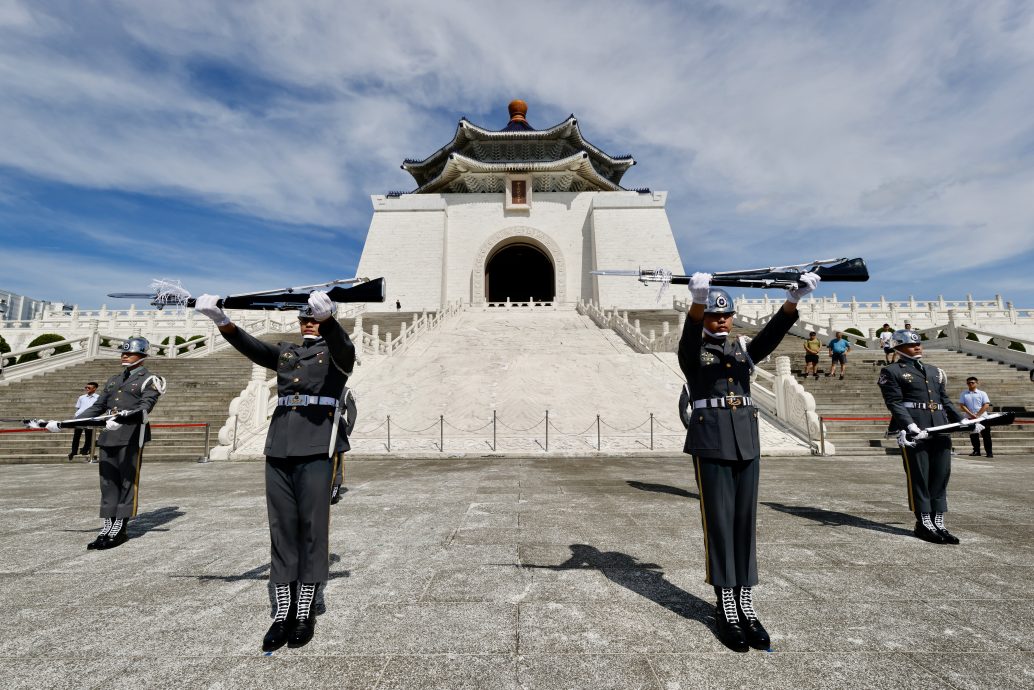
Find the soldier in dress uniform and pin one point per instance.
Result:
(302, 440)
(347, 424)
(130, 394)
(722, 437)
(915, 395)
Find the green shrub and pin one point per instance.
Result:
(178, 341)
(972, 336)
(44, 339)
(4, 347)
(1017, 346)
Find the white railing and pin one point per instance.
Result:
(784, 398)
(251, 410)
(153, 324)
(614, 321)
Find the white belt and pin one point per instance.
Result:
(924, 406)
(296, 400)
(733, 401)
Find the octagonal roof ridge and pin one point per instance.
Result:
(566, 137)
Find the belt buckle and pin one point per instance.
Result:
(295, 399)
(934, 407)
(733, 401)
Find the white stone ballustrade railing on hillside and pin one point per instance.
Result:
(153, 324)
(79, 337)
(781, 396)
(251, 410)
(839, 314)
(630, 331)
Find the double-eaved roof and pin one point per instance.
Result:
(558, 159)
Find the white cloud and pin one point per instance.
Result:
(843, 123)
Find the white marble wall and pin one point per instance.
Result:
(432, 248)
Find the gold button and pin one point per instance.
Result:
(296, 380)
(730, 379)
(728, 365)
(294, 407)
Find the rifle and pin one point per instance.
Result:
(786, 277)
(66, 424)
(907, 438)
(170, 292)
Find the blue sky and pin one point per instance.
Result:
(235, 145)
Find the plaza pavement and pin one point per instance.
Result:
(520, 573)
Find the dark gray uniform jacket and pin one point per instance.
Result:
(119, 394)
(903, 382)
(715, 370)
(316, 367)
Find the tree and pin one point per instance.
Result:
(44, 339)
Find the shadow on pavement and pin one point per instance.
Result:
(153, 520)
(662, 489)
(832, 518)
(645, 579)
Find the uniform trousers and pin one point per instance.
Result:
(119, 469)
(339, 468)
(298, 504)
(728, 510)
(927, 468)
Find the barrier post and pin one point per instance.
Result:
(389, 431)
(651, 427)
(208, 430)
(493, 431)
(598, 446)
(822, 435)
(441, 433)
(547, 431)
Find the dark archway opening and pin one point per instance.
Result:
(521, 273)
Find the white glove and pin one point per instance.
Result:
(977, 428)
(903, 439)
(917, 433)
(699, 286)
(207, 305)
(322, 306)
(806, 285)
(53, 426)
(112, 425)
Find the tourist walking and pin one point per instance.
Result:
(974, 403)
(838, 348)
(83, 403)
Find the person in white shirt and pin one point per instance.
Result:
(84, 402)
(886, 340)
(974, 402)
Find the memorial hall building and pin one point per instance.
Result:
(520, 215)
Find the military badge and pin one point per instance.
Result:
(286, 358)
(707, 358)
(907, 377)
(883, 379)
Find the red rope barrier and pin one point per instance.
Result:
(856, 419)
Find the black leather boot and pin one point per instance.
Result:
(118, 535)
(757, 636)
(305, 618)
(938, 523)
(730, 632)
(926, 531)
(102, 537)
(335, 494)
(283, 619)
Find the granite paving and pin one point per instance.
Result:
(577, 572)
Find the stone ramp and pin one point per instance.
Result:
(520, 364)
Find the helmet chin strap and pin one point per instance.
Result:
(902, 354)
(310, 337)
(716, 336)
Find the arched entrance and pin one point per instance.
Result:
(520, 272)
